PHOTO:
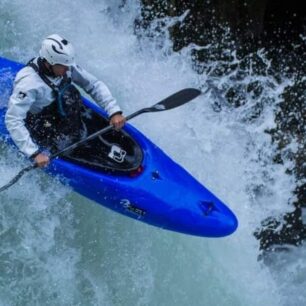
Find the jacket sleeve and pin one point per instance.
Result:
(19, 104)
(96, 89)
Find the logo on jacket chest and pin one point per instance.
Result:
(21, 95)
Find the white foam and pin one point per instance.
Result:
(88, 254)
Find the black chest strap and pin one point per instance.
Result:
(43, 76)
(56, 89)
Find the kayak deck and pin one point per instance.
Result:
(114, 151)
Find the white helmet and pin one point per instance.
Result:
(57, 50)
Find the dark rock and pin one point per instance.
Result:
(239, 29)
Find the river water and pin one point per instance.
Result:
(58, 248)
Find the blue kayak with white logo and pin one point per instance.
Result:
(126, 172)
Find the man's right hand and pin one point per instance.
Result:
(42, 160)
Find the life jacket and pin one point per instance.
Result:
(61, 117)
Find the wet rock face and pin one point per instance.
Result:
(245, 27)
(290, 131)
(259, 21)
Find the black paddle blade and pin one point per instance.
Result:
(179, 98)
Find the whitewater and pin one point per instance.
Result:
(59, 248)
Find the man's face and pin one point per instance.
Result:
(59, 70)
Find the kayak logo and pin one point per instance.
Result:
(117, 154)
(127, 205)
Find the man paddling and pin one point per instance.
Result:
(44, 110)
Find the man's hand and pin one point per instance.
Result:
(42, 160)
(118, 121)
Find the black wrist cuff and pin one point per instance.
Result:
(34, 154)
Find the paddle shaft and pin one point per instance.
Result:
(177, 99)
(90, 137)
(69, 148)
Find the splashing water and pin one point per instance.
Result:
(58, 248)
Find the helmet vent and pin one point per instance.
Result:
(59, 44)
(54, 49)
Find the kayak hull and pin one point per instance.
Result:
(162, 194)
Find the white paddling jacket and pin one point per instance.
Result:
(32, 94)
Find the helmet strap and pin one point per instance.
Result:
(45, 67)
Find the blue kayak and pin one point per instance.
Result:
(126, 172)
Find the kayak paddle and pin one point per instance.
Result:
(175, 100)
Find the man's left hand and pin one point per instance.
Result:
(117, 121)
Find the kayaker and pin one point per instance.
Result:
(45, 109)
